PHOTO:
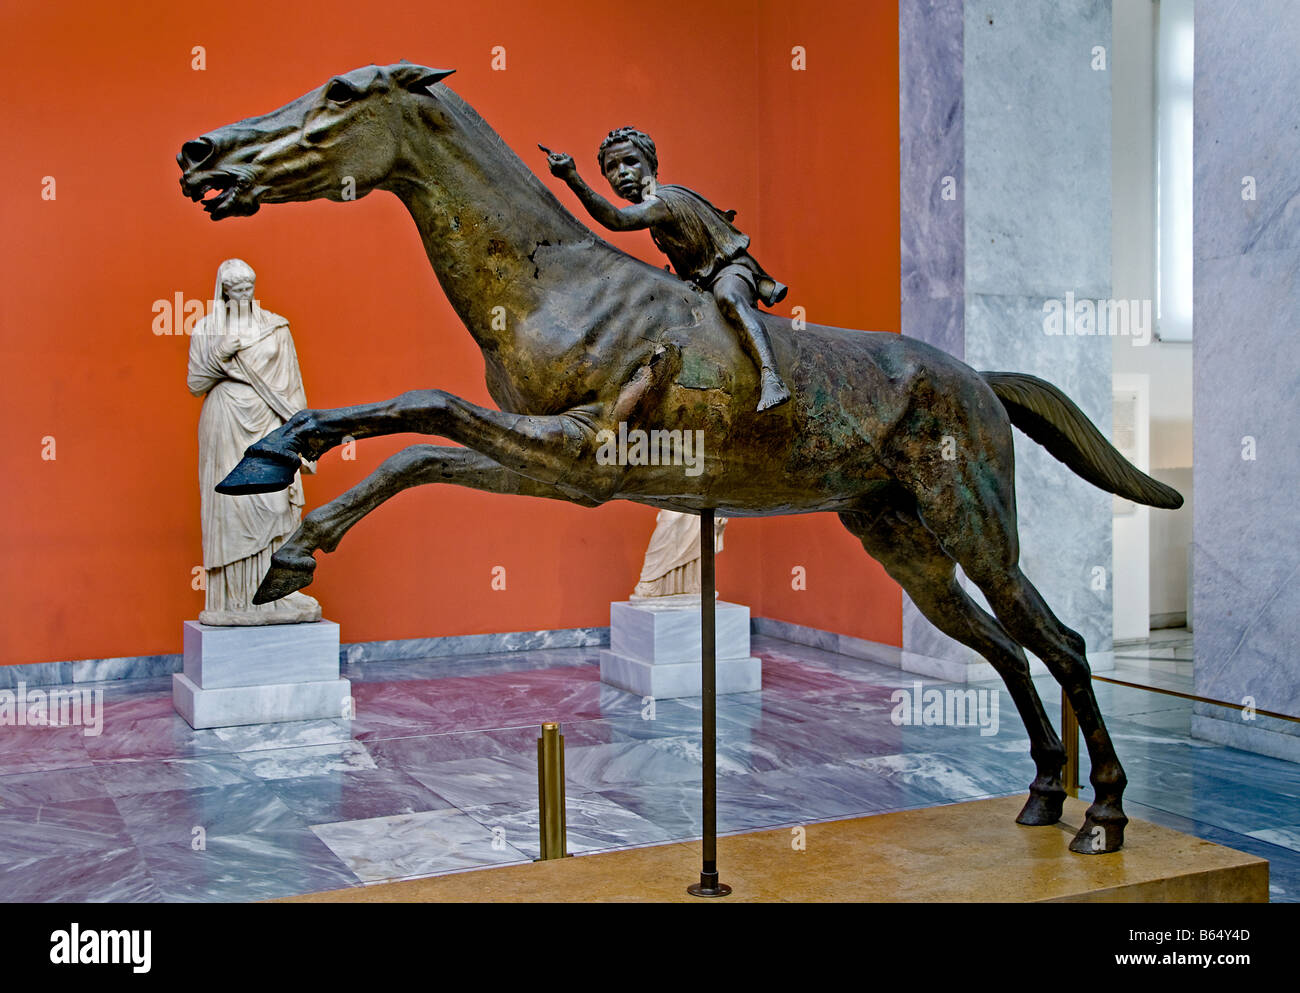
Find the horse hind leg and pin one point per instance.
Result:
(913, 556)
(1021, 608)
(980, 533)
(293, 564)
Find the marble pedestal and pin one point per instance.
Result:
(654, 649)
(260, 675)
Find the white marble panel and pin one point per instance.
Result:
(217, 657)
(1037, 142)
(659, 633)
(233, 705)
(667, 680)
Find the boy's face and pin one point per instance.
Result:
(627, 171)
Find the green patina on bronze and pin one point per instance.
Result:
(579, 339)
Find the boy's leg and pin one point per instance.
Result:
(736, 301)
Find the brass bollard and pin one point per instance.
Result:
(550, 791)
(1070, 738)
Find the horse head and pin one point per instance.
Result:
(337, 142)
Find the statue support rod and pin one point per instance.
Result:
(708, 884)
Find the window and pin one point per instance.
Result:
(1174, 72)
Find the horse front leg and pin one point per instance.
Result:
(293, 564)
(549, 449)
(556, 449)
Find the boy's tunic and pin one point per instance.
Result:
(701, 243)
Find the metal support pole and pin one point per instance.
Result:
(550, 792)
(1070, 738)
(708, 884)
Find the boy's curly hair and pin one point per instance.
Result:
(639, 139)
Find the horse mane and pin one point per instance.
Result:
(474, 123)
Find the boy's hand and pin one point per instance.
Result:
(561, 165)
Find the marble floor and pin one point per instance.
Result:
(437, 773)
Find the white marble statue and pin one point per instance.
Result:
(243, 364)
(672, 562)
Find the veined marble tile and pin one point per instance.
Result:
(172, 817)
(1288, 836)
(478, 781)
(288, 734)
(744, 803)
(355, 796)
(40, 749)
(814, 748)
(471, 665)
(1245, 124)
(668, 719)
(123, 778)
(247, 868)
(31, 789)
(479, 703)
(74, 826)
(945, 778)
(791, 677)
(116, 876)
(35, 674)
(127, 701)
(599, 767)
(1246, 594)
(428, 751)
(931, 138)
(152, 738)
(1037, 142)
(409, 845)
(134, 667)
(592, 824)
(939, 322)
(738, 754)
(308, 760)
(473, 644)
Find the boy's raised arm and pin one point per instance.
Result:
(631, 218)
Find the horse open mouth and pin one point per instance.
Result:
(219, 195)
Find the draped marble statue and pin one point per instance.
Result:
(243, 363)
(672, 560)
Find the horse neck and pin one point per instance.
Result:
(482, 214)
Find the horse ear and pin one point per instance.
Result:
(417, 78)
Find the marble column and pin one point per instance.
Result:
(932, 224)
(1003, 96)
(1246, 300)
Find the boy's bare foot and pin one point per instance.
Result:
(773, 391)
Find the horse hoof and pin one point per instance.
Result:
(1099, 837)
(1042, 808)
(260, 472)
(286, 575)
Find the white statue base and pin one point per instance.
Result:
(260, 675)
(654, 647)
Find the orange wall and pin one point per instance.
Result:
(99, 543)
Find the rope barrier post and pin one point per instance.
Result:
(550, 792)
(1070, 738)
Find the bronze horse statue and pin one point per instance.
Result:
(578, 337)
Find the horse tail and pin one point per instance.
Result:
(1050, 418)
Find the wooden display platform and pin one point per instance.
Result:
(966, 852)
